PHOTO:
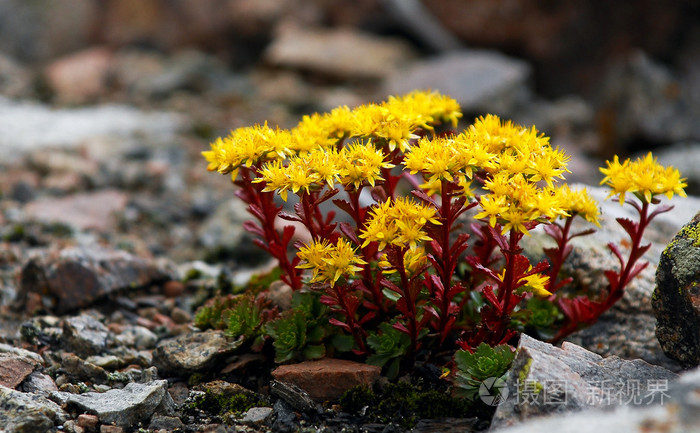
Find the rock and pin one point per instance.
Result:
(169, 423)
(28, 413)
(14, 369)
(123, 407)
(285, 418)
(81, 370)
(646, 102)
(78, 276)
(41, 31)
(69, 128)
(544, 379)
(222, 233)
(85, 335)
(481, 81)
(341, 53)
(33, 357)
(440, 425)
(194, 352)
(257, 415)
(137, 337)
(627, 329)
(87, 421)
(558, 40)
(676, 298)
(15, 79)
(80, 77)
(39, 383)
(327, 379)
(93, 210)
(677, 412)
(296, 397)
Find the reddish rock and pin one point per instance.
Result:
(87, 421)
(327, 379)
(83, 211)
(81, 77)
(14, 369)
(107, 428)
(76, 277)
(173, 289)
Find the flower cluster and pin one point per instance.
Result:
(409, 262)
(644, 178)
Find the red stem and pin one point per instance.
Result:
(558, 261)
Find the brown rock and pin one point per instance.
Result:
(340, 53)
(81, 77)
(87, 421)
(327, 379)
(76, 277)
(83, 211)
(173, 289)
(106, 428)
(14, 369)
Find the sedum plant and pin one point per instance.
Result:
(424, 231)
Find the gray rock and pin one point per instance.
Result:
(24, 353)
(676, 299)
(676, 412)
(137, 337)
(39, 383)
(222, 232)
(15, 80)
(341, 53)
(169, 423)
(28, 413)
(85, 335)
(70, 127)
(81, 370)
(544, 379)
(481, 81)
(78, 276)
(92, 210)
(257, 415)
(647, 101)
(190, 353)
(124, 407)
(293, 395)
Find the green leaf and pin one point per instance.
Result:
(486, 362)
(314, 351)
(342, 342)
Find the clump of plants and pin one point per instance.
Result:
(419, 254)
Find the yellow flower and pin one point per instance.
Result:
(513, 201)
(536, 284)
(248, 145)
(399, 222)
(413, 261)
(644, 177)
(579, 202)
(359, 163)
(329, 262)
(274, 174)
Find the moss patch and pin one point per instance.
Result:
(404, 404)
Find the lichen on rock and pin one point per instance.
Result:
(676, 298)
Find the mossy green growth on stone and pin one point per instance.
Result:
(404, 404)
(222, 400)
